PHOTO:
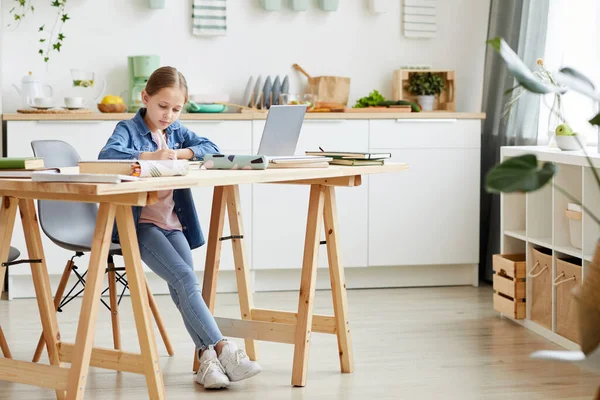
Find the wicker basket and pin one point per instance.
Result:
(112, 108)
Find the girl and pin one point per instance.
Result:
(169, 229)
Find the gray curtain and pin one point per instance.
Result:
(522, 23)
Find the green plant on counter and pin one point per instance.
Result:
(425, 84)
(53, 41)
(376, 99)
(372, 100)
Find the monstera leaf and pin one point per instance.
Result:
(520, 71)
(519, 174)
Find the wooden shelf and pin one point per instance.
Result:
(542, 221)
(542, 241)
(516, 234)
(569, 250)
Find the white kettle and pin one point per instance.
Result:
(30, 89)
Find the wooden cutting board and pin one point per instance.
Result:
(56, 111)
(394, 109)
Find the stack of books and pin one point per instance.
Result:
(25, 167)
(352, 158)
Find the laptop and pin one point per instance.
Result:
(281, 133)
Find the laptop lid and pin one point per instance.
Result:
(282, 130)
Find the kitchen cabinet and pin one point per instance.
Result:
(408, 224)
(430, 214)
(280, 211)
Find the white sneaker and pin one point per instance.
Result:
(211, 374)
(236, 363)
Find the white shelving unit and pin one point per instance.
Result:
(537, 220)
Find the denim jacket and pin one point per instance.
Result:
(132, 137)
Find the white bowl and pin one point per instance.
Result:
(568, 143)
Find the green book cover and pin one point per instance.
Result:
(21, 163)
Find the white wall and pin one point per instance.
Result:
(350, 42)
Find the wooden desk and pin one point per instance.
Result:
(115, 201)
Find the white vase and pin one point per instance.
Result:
(379, 6)
(426, 102)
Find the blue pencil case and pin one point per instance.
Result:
(234, 161)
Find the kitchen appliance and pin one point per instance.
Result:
(139, 69)
(31, 88)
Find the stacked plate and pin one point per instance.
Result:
(263, 94)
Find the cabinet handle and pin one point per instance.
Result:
(407, 120)
(329, 121)
(70, 121)
(203, 121)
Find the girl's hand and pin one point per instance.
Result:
(164, 154)
(184, 154)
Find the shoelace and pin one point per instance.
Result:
(206, 365)
(238, 356)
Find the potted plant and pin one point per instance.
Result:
(524, 174)
(425, 85)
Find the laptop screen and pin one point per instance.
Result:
(282, 130)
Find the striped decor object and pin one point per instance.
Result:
(419, 18)
(209, 17)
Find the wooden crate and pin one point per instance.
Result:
(509, 284)
(446, 101)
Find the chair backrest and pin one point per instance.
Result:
(63, 221)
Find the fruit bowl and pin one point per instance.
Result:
(112, 108)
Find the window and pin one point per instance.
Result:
(573, 39)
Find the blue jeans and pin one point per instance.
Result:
(168, 254)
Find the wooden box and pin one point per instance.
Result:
(540, 279)
(509, 284)
(568, 276)
(446, 101)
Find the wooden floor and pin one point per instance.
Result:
(417, 343)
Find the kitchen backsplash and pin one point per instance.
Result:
(352, 42)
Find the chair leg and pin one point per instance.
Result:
(64, 279)
(597, 396)
(4, 345)
(159, 321)
(114, 305)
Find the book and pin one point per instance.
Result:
(299, 159)
(350, 155)
(342, 161)
(142, 168)
(51, 176)
(323, 164)
(24, 173)
(21, 163)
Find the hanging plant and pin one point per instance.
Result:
(51, 40)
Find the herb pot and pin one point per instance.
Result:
(426, 102)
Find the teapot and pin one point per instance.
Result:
(31, 88)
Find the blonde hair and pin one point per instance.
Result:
(166, 77)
